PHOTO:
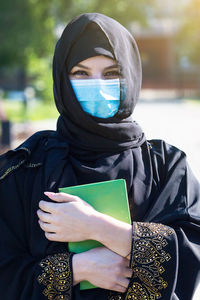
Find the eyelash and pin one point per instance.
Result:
(112, 73)
(84, 73)
(79, 73)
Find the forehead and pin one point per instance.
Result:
(97, 61)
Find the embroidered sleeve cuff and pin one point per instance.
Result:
(153, 261)
(57, 276)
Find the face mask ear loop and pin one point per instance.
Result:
(122, 90)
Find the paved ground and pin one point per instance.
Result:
(176, 122)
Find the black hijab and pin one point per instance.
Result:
(90, 35)
(101, 149)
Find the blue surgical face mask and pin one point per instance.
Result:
(99, 98)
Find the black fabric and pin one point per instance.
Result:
(161, 187)
(92, 42)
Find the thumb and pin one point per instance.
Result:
(61, 197)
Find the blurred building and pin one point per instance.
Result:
(12, 79)
(162, 68)
(157, 52)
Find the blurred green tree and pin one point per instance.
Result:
(26, 25)
(27, 36)
(123, 11)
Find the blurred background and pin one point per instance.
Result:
(168, 37)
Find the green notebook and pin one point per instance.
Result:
(108, 197)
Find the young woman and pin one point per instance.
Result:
(97, 80)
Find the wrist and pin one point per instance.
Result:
(112, 233)
(79, 263)
(95, 226)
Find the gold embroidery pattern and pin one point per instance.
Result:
(147, 259)
(115, 296)
(12, 169)
(31, 165)
(56, 276)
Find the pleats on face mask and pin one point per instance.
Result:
(99, 98)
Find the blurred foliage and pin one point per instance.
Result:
(188, 38)
(36, 110)
(25, 25)
(40, 74)
(27, 40)
(123, 11)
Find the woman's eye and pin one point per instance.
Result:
(79, 73)
(112, 74)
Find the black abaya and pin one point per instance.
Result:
(165, 259)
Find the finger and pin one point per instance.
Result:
(61, 197)
(51, 236)
(47, 227)
(119, 288)
(128, 273)
(43, 216)
(124, 282)
(127, 262)
(48, 206)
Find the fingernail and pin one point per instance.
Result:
(49, 193)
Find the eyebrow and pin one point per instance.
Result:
(112, 67)
(109, 67)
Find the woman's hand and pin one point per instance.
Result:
(69, 220)
(103, 268)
